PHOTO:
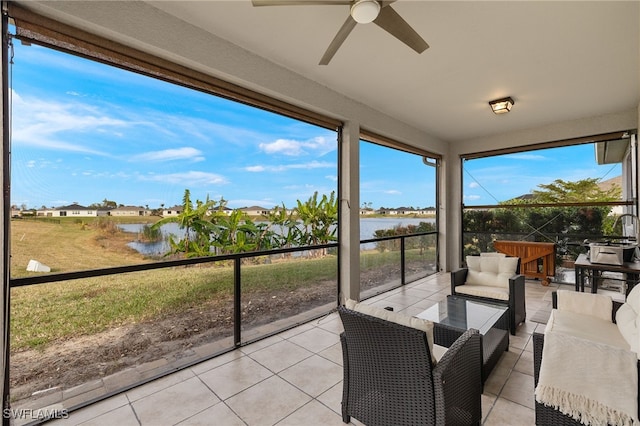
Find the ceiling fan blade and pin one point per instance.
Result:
(298, 2)
(337, 41)
(391, 22)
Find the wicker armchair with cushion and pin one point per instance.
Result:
(594, 359)
(392, 377)
(494, 278)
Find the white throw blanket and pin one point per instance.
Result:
(594, 383)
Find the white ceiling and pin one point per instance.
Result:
(558, 60)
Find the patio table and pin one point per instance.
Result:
(454, 315)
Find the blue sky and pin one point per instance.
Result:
(83, 131)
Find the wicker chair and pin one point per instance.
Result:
(516, 302)
(389, 378)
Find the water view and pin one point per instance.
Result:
(368, 226)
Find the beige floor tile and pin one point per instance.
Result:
(332, 398)
(333, 353)
(261, 344)
(216, 362)
(92, 411)
(268, 402)
(509, 358)
(175, 403)
(123, 416)
(520, 340)
(316, 339)
(296, 330)
(312, 413)
(219, 414)
(404, 299)
(487, 404)
(280, 355)
(314, 375)
(235, 376)
(496, 380)
(158, 385)
(519, 389)
(334, 325)
(507, 413)
(525, 363)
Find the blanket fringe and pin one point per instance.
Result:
(580, 408)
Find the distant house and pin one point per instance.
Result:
(172, 211)
(255, 211)
(73, 210)
(388, 212)
(130, 211)
(405, 210)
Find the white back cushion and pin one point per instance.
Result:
(627, 319)
(596, 305)
(492, 254)
(491, 270)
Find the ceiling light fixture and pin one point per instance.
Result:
(501, 106)
(365, 11)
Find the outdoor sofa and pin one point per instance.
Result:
(494, 278)
(395, 375)
(610, 327)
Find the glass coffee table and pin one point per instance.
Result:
(454, 315)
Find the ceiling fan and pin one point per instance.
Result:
(379, 12)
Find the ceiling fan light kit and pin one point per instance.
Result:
(502, 106)
(365, 11)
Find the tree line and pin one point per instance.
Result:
(563, 225)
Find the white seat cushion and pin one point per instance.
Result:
(439, 351)
(398, 318)
(489, 291)
(586, 327)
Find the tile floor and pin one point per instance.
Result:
(295, 378)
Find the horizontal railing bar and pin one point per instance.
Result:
(65, 276)
(533, 205)
(397, 237)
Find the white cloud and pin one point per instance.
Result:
(285, 167)
(472, 197)
(332, 178)
(392, 192)
(39, 123)
(474, 185)
(193, 178)
(533, 157)
(318, 146)
(185, 153)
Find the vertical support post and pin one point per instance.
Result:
(5, 213)
(237, 305)
(403, 281)
(349, 207)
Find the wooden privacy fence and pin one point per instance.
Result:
(537, 260)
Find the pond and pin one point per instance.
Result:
(367, 228)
